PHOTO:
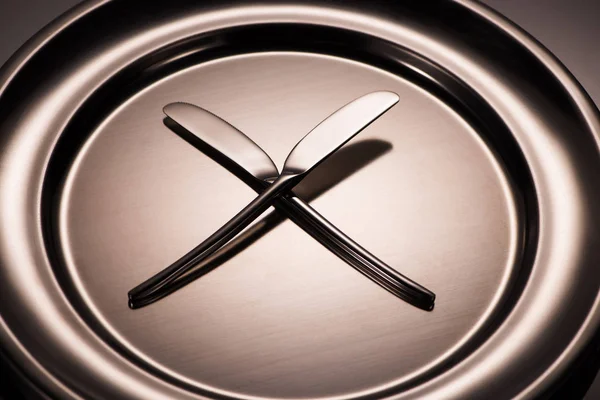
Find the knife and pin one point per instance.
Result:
(257, 169)
(310, 152)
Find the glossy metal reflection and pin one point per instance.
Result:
(312, 150)
(257, 169)
(507, 328)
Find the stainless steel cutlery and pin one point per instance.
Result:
(260, 171)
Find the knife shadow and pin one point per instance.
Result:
(341, 165)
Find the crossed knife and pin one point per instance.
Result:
(275, 189)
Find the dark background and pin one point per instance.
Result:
(569, 28)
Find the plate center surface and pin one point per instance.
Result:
(285, 317)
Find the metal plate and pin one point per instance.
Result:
(480, 184)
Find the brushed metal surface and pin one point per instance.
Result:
(564, 123)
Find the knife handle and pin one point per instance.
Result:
(234, 226)
(348, 250)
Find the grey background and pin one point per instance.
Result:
(569, 28)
